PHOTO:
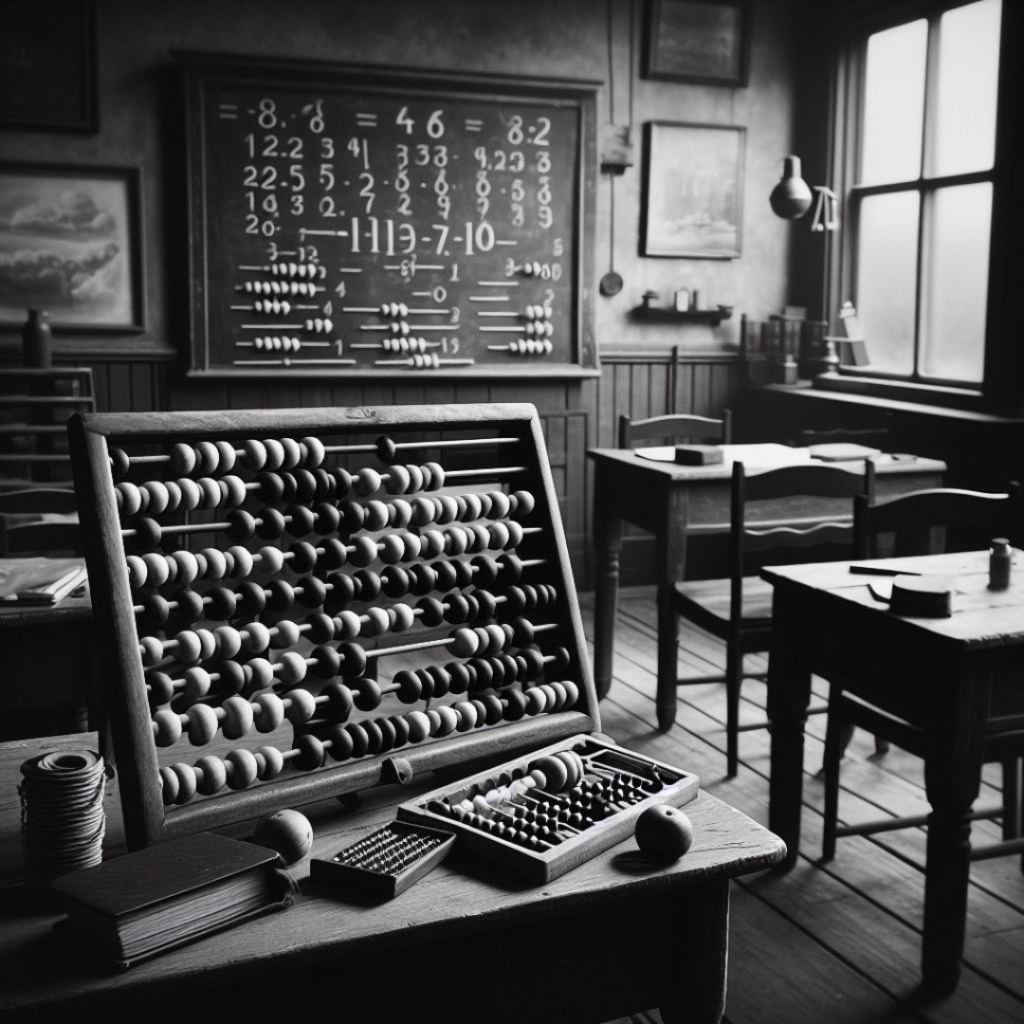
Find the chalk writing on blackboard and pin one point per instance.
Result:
(345, 221)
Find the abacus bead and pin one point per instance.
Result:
(197, 682)
(466, 642)
(339, 700)
(413, 547)
(467, 715)
(159, 496)
(515, 705)
(314, 451)
(515, 534)
(208, 458)
(137, 571)
(120, 464)
(394, 581)
(271, 559)
(572, 692)
(524, 503)
(303, 556)
(445, 575)
(473, 506)
(169, 786)
(364, 551)
(275, 453)
(486, 570)
(442, 679)
(292, 452)
(495, 709)
(419, 726)
(314, 592)
(227, 455)
(191, 494)
(423, 579)
(374, 736)
(269, 711)
(271, 487)
(388, 733)
(293, 668)
(347, 625)
(261, 673)
(151, 649)
(536, 701)
(423, 511)
(386, 448)
(223, 602)
(398, 480)
(498, 535)
(335, 554)
(401, 727)
(447, 508)
(479, 537)
(242, 559)
(157, 570)
(461, 677)
(210, 491)
(238, 717)
(360, 740)
(270, 524)
(341, 743)
(306, 484)
(377, 622)
(232, 676)
(404, 618)
(286, 634)
(188, 566)
(409, 686)
(189, 647)
(392, 549)
(436, 471)
(270, 762)
(216, 564)
(187, 782)
(300, 705)
(256, 637)
(456, 608)
(367, 481)
(500, 504)
(377, 515)
(481, 712)
(366, 693)
(353, 660)
(449, 720)
(416, 480)
(202, 724)
(246, 770)
(156, 609)
(303, 520)
(311, 752)
(321, 628)
(161, 687)
(432, 543)
(166, 727)
(433, 611)
(280, 595)
(343, 480)
(212, 774)
(183, 459)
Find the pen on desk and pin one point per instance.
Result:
(879, 570)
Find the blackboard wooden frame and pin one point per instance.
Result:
(203, 74)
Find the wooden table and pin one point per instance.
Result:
(466, 942)
(674, 502)
(959, 678)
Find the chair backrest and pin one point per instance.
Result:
(937, 519)
(39, 521)
(671, 429)
(794, 518)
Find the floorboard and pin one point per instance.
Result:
(838, 941)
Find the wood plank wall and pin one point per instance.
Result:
(577, 415)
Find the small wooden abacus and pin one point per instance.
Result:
(294, 604)
(542, 816)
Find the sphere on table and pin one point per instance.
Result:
(663, 833)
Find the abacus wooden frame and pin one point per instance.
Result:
(121, 668)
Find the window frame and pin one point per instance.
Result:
(1002, 386)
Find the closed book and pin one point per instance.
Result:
(698, 454)
(153, 900)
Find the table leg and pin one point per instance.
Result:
(952, 783)
(698, 986)
(789, 694)
(608, 542)
(670, 552)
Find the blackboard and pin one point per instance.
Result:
(358, 221)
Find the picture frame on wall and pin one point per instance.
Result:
(702, 41)
(48, 66)
(70, 244)
(693, 190)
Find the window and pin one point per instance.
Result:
(921, 167)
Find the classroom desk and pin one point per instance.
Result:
(672, 502)
(465, 943)
(958, 677)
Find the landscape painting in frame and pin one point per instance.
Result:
(693, 191)
(69, 247)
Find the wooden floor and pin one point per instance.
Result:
(837, 943)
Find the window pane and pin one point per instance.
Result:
(965, 128)
(894, 104)
(956, 283)
(886, 276)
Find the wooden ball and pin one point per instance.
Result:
(664, 833)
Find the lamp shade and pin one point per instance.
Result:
(791, 197)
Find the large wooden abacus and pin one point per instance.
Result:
(294, 604)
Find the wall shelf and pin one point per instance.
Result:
(647, 314)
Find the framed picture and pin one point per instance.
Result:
(693, 190)
(48, 66)
(70, 245)
(697, 41)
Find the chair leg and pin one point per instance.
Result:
(733, 682)
(837, 735)
(1012, 798)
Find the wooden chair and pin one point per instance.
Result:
(39, 521)
(738, 608)
(675, 429)
(921, 522)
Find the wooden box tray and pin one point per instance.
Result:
(529, 817)
(294, 604)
